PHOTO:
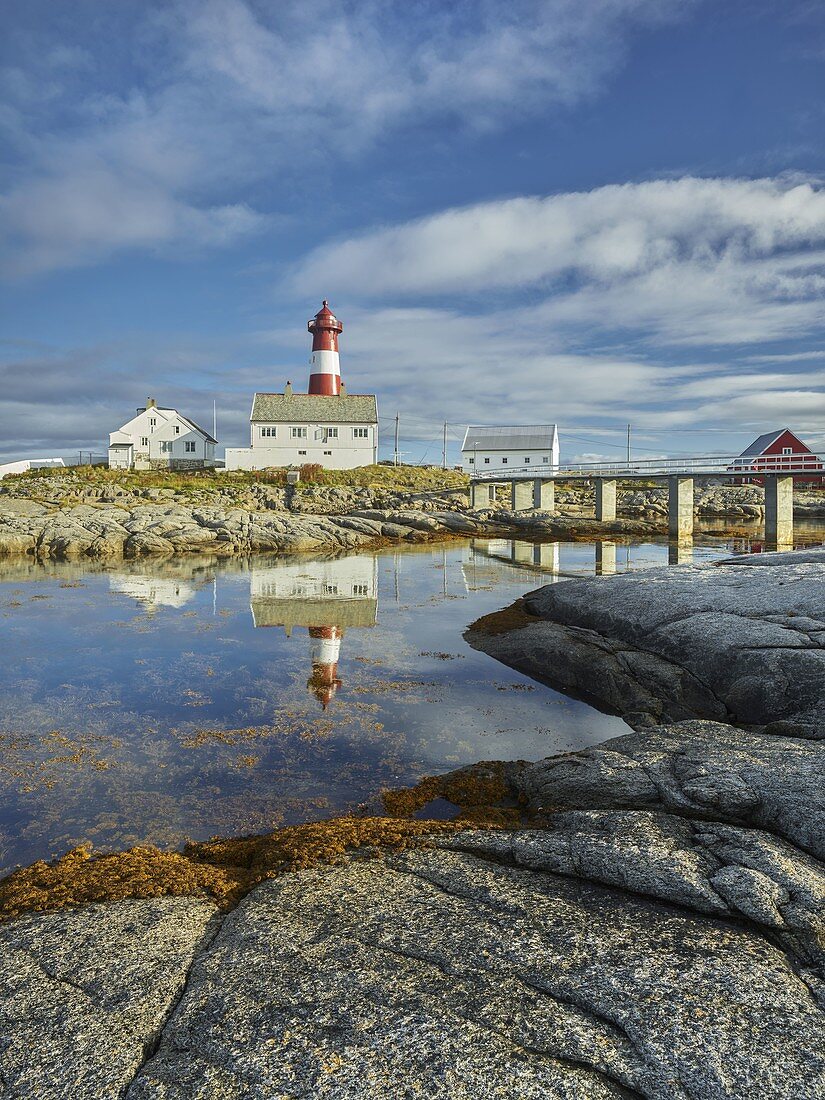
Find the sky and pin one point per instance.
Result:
(588, 212)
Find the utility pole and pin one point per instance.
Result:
(444, 449)
(628, 444)
(395, 460)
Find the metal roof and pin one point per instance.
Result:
(352, 408)
(518, 437)
(761, 444)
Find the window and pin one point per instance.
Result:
(301, 452)
(190, 447)
(330, 589)
(526, 460)
(327, 452)
(269, 432)
(299, 433)
(504, 461)
(360, 590)
(144, 441)
(487, 461)
(152, 423)
(787, 450)
(177, 429)
(471, 461)
(361, 433)
(545, 460)
(330, 433)
(166, 446)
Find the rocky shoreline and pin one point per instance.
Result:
(66, 518)
(740, 641)
(651, 924)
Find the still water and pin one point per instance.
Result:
(156, 701)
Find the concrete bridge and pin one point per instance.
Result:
(534, 487)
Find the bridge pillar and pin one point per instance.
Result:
(605, 499)
(680, 508)
(481, 494)
(779, 511)
(605, 558)
(544, 495)
(521, 495)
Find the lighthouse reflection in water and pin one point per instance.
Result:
(326, 598)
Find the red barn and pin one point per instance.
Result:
(775, 452)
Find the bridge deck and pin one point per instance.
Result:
(725, 467)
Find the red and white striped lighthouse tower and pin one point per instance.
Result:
(324, 648)
(325, 370)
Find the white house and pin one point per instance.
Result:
(338, 431)
(507, 448)
(158, 438)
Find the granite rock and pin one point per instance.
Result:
(84, 993)
(742, 642)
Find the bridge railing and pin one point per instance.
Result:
(727, 465)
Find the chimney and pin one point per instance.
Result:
(343, 391)
(288, 390)
(151, 403)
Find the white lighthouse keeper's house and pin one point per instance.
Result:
(160, 438)
(326, 425)
(517, 447)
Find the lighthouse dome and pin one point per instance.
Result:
(325, 319)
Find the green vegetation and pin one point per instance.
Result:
(402, 478)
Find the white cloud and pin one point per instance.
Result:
(686, 261)
(226, 92)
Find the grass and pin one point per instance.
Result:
(399, 478)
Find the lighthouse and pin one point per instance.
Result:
(324, 370)
(325, 649)
(326, 426)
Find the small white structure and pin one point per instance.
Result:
(516, 447)
(159, 438)
(338, 432)
(25, 464)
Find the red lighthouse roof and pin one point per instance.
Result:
(324, 319)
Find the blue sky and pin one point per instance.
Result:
(589, 211)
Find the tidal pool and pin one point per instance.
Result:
(155, 701)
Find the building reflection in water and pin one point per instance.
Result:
(324, 597)
(153, 591)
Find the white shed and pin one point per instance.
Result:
(508, 448)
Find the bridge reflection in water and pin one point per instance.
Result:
(324, 597)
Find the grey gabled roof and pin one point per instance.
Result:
(518, 437)
(761, 444)
(356, 408)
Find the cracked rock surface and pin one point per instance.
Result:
(84, 993)
(742, 642)
(444, 974)
(659, 934)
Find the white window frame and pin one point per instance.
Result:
(269, 432)
(360, 433)
(298, 432)
(190, 446)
